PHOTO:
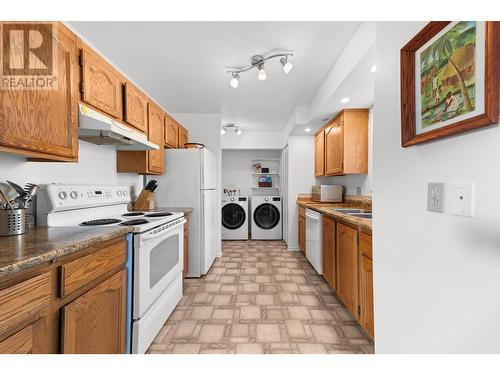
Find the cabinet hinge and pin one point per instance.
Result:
(81, 87)
(359, 311)
(80, 60)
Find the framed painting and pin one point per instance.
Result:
(450, 74)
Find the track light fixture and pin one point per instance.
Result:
(257, 62)
(231, 128)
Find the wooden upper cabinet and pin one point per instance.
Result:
(101, 84)
(94, 323)
(155, 134)
(42, 123)
(334, 155)
(183, 137)
(347, 266)
(319, 154)
(328, 244)
(345, 144)
(136, 108)
(171, 132)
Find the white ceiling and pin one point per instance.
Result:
(182, 64)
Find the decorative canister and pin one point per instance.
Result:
(13, 222)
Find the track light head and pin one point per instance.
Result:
(287, 66)
(235, 81)
(262, 76)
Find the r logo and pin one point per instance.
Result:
(27, 49)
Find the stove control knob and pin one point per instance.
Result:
(63, 195)
(125, 192)
(73, 194)
(119, 193)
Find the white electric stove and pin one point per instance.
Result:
(155, 256)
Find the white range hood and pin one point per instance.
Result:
(97, 128)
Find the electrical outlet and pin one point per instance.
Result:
(463, 198)
(435, 197)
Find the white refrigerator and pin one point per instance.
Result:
(190, 181)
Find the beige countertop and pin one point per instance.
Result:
(364, 225)
(44, 244)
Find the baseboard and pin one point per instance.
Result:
(293, 248)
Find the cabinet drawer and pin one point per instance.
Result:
(365, 244)
(80, 272)
(19, 343)
(24, 302)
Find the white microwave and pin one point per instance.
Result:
(327, 193)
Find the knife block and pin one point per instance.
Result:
(145, 201)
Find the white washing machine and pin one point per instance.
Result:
(266, 218)
(235, 218)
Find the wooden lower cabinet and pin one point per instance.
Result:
(89, 317)
(302, 229)
(366, 284)
(94, 323)
(347, 266)
(328, 243)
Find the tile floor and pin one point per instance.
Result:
(260, 298)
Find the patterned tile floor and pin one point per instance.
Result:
(260, 298)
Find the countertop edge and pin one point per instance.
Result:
(60, 252)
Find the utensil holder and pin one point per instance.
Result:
(14, 222)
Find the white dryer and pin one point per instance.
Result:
(266, 218)
(235, 218)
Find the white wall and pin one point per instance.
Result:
(205, 128)
(361, 181)
(96, 165)
(436, 276)
(300, 179)
(253, 140)
(237, 170)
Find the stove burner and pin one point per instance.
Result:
(134, 222)
(133, 214)
(158, 214)
(100, 222)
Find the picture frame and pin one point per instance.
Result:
(450, 80)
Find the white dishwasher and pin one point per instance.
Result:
(314, 250)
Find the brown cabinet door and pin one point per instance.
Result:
(302, 229)
(136, 108)
(334, 148)
(94, 323)
(183, 137)
(43, 123)
(319, 154)
(155, 135)
(366, 294)
(328, 243)
(102, 85)
(171, 132)
(347, 266)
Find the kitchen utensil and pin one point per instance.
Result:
(153, 188)
(18, 188)
(13, 222)
(151, 184)
(6, 199)
(32, 190)
(9, 191)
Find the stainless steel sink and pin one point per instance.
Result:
(364, 215)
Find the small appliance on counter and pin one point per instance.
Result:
(327, 193)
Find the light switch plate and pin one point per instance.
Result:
(435, 197)
(463, 199)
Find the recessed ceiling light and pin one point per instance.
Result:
(373, 69)
(222, 131)
(307, 130)
(345, 100)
